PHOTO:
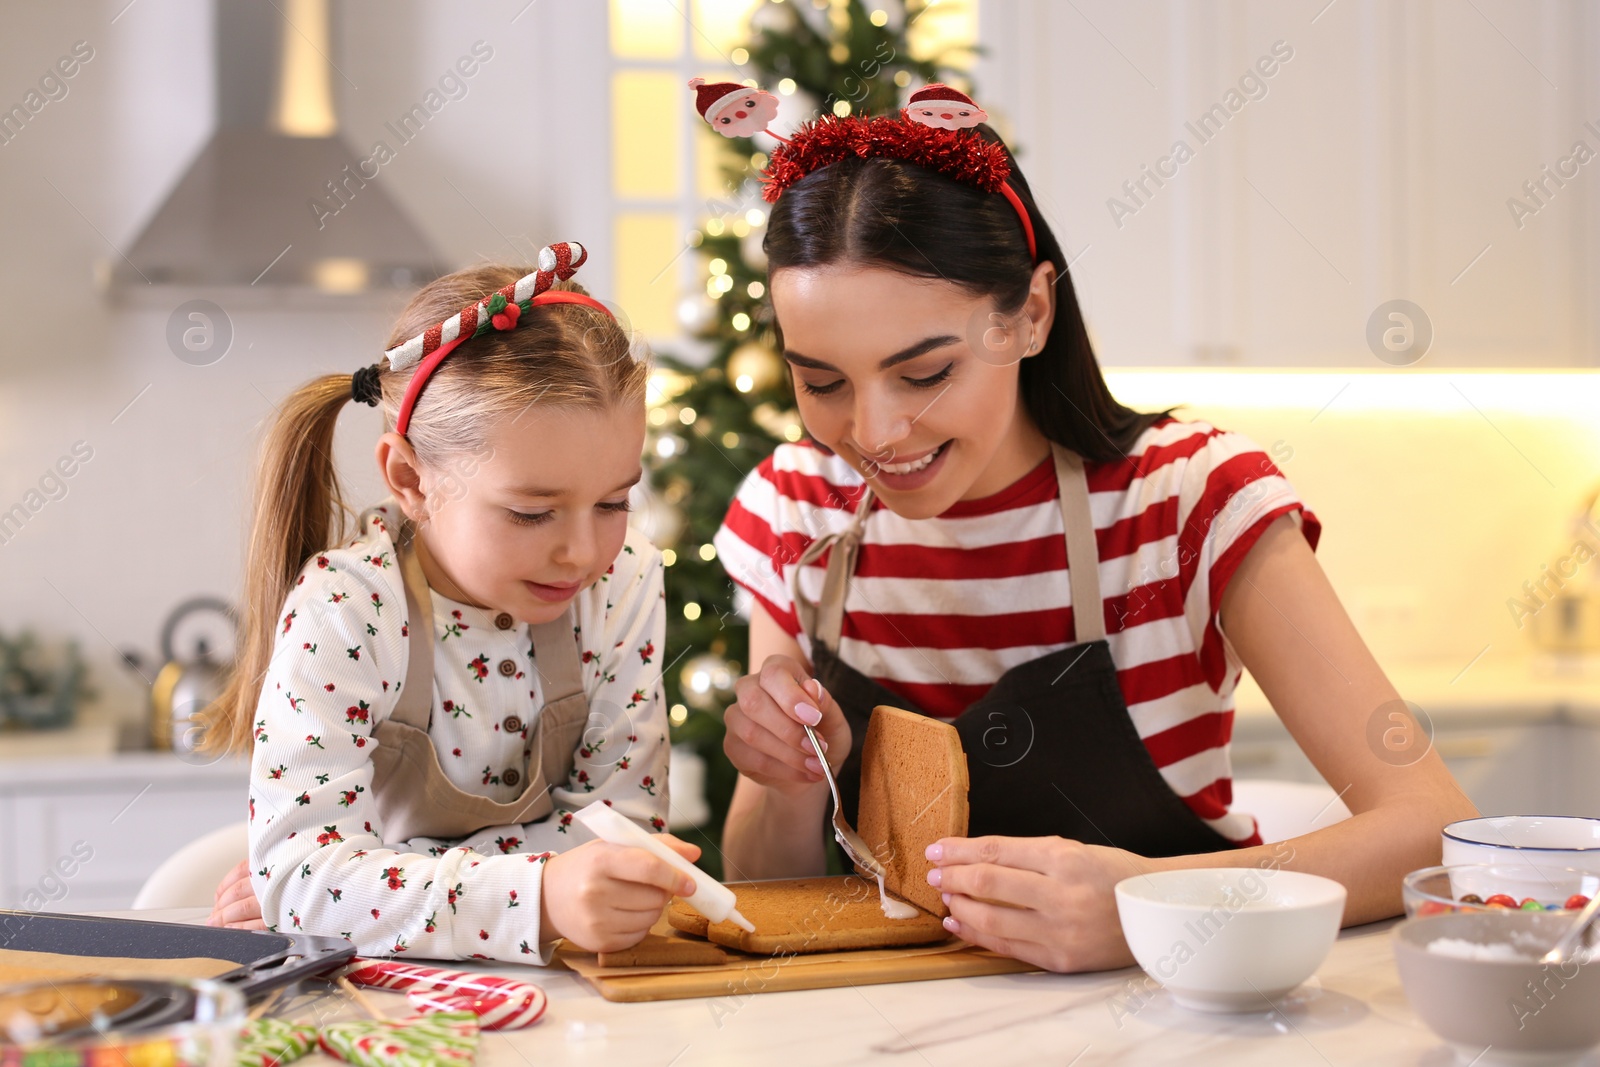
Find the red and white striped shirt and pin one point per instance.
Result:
(938, 609)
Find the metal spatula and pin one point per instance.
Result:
(853, 845)
(1574, 940)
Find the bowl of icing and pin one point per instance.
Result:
(1475, 979)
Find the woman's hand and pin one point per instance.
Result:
(604, 897)
(235, 904)
(765, 740)
(1045, 900)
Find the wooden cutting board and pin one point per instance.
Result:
(743, 975)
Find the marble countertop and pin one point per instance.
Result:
(1353, 1011)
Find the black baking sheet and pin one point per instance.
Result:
(266, 960)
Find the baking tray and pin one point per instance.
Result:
(266, 960)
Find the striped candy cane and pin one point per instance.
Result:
(500, 1003)
(555, 261)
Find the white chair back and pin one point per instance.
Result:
(1287, 809)
(188, 878)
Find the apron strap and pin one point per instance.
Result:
(556, 659)
(555, 652)
(415, 705)
(1083, 554)
(824, 620)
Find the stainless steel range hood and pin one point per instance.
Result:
(276, 206)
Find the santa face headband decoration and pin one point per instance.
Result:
(930, 132)
(944, 108)
(499, 310)
(734, 110)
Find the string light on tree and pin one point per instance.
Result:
(755, 367)
(706, 680)
(697, 313)
(668, 445)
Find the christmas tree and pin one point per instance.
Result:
(712, 423)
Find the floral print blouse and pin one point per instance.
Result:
(320, 860)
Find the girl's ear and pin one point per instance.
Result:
(1040, 307)
(402, 473)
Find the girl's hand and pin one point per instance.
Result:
(604, 897)
(236, 905)
(1046, 900)
(764, 739)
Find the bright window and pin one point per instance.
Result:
(647, 120)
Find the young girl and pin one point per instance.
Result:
(430, 700)
(977, 530)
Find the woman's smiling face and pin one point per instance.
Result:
(886, 375)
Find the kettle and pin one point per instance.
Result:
(185, 686)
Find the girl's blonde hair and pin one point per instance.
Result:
(561, 354)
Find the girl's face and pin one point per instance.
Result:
(912, 381)
(538, 515)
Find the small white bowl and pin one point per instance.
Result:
(1545, 841)
(1225, 939)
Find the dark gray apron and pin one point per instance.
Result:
(1051, 749)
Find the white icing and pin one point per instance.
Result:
(892, 908)
(1471, 950)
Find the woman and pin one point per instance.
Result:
(969, 482)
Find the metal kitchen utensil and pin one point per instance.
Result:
(1574, 938)
(186, 685)
(848, 839)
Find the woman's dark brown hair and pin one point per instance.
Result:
(906, 218)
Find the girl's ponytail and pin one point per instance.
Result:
(298, 511)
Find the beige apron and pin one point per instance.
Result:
(823, 621)
(413, 795)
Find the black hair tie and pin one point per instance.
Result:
(365, 387)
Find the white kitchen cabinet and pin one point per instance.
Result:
(84, 834)
(1579, 756)
(1336, 156)
(1519, 736)
(1541, 767)
(1513, 768)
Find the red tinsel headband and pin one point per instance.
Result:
(499, 310)
(932, 131)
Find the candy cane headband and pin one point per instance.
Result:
(499, 310)
(930, 132)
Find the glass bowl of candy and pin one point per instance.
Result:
(1496, 886)
(86, 1022)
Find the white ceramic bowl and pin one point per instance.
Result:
(1547, 841)
(1229, 938)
